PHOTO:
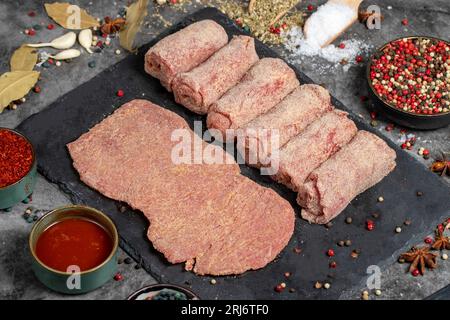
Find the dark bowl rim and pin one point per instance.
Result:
(161, 286)
(369, 64)
(33, 153)
(115, 239)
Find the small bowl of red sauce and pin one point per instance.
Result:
(409, 81)
(17, 168)
(74, 249)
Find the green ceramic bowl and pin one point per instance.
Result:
(89, 279)
(22, 189)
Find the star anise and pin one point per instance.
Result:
(112, 25)
(420, 258)
(441, 241)
(441, 166)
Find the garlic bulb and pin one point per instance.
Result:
(85, 39)
(66, 54)
(64, 42)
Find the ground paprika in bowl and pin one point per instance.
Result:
(17, 168)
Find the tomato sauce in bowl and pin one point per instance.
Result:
(74, 242)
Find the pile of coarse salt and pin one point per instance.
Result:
(322, 26)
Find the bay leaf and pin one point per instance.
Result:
(70, 16)
(24, 59)
(15, 85)
(136, 14)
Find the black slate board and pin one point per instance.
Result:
(76, 112)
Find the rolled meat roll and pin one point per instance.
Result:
(205, 84)
(263, 87)
(359, 165)
(289, 118)
(305, 152)
(184, 50)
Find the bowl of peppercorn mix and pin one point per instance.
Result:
(409, 82)
(17, 168)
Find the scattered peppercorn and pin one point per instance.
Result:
(370, 225)
(50, 26)
(213, 281)
(341, 243)
(365, 295)
(31, 14)
(405, 22)
(359, 58)
(378, 292)
(415, 272)
(407, 222)
(444, 256)
(37, 89)
(31, 32)
(330, 253)
(419, 193)
(279, 288)
(428, 240)
(348, 220)
(118, 277)
(348, 243)
(318, 285)
(128, 260)
(120, 93)
(287, 274)
(333, 265)
(354, 254)
(342, 45)
(398, 230)
(380, 199)
(297, 250)
(327, 285)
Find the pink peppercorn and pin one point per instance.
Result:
(120, 93)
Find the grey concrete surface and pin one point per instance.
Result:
(17, 281)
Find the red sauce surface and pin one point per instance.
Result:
(74, 242)
(16, 157)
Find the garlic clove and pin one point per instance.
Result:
(66, 54)
(65, 41)
(85, 39)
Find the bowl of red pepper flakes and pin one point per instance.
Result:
(409, 81)
(17, 168)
